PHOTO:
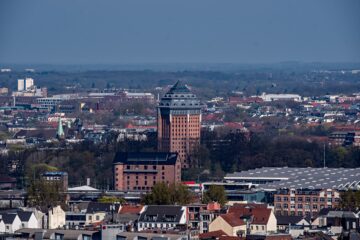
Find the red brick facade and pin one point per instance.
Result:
(145, 174)
(179, 122)
(305, 201)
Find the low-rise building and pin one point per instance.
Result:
(162, 218)
(304, 202)
(142, 170)
(12, 222)
(230, 224)
(56, 218)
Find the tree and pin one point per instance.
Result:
(350, 200)
(45, 194)
(111, 199)
(163, 194)
(200, 156)
(215, 194)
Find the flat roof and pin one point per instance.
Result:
(312, 178)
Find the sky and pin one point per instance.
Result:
(178, 31)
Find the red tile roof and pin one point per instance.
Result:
(232, 219)
(214, 234)
(230, 238)
(135, 209)
(260, 213)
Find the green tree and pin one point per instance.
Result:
(44, 193)
(111, 199)
(350, 200)
(215, 194)
(163, 194)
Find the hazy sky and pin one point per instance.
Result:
(181, 31)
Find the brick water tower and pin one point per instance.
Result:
(179, 122)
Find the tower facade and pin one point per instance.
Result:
(179, 122)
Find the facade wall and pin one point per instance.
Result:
(95, 217)
(179, 133)
(298, 203)
(56, 218)
(144, 177)
(220, 224)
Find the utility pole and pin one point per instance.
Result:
(324, 157)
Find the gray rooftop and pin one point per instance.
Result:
(312, 178)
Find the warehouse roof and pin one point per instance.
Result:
(312, 178)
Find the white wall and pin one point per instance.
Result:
(32, 223)
(56, 218)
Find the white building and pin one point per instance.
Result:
(277, 97)
(28, 219)
(25, 84)
(2, 226)
(29, 82)
(56, 218)
(21, 85)
(12, 222)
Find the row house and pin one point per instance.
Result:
(246, 219)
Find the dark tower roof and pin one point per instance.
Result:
(179, 97)
(179, 87)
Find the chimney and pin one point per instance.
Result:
(87, 181)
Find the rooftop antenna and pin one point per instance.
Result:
(324, 157)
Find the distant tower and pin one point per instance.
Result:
(60, 130)
(179, 122)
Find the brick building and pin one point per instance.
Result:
(57, 177)
(304, 202)
(345, 138)
(179, 122)
(142, 170)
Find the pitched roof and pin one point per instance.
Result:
(179, 87)
(83, 188)
(134, 209)
(8, 218)
(286, 220)
(162, 213)
(24, 215)
(213, 234)
(260, 215)
(101, 207)
(146, 158)
(233, 219)
(46, 133)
